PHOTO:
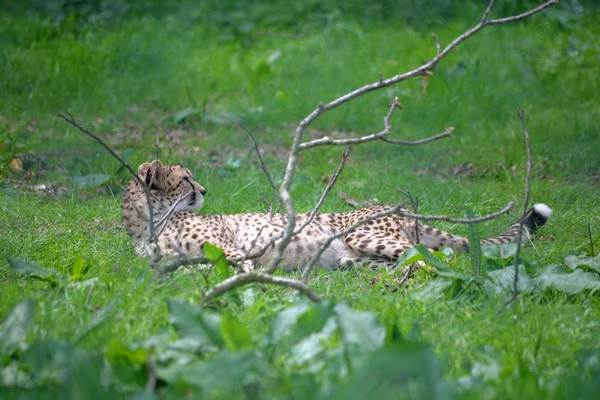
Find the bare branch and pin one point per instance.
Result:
(408, 272)
(156, 143)
(260, 277)
(486, 12)
(414, 202)
(387, 128)
(437, 44)
(263, 166)
(321, 108)
(313, 261)
(522, 16)
(71, 121)
(152, 237)
(446, 218)
(521, 114)
(89, 296)
(162, 223)
(397, 210)
(330, 184)
(439, 136)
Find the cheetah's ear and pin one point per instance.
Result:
(152, 174)
(143, 169)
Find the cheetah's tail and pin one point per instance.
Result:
(535, 217)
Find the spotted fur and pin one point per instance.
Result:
(380, 241)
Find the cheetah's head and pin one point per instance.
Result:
(172, 183)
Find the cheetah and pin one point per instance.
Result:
(380, 241)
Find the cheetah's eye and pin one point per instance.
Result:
(187, 179)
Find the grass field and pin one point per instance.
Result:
(193, 73)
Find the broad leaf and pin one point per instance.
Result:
(226, 371)
(410, 256)
(592, 262)
(89, 181)
(217, 257)
(360, 327)
(398, 371)
(117, 352)
(235, 334)
(33, 270)
(313, 320)
(501, 281)
(568, 282)
(16, 326)
(499, 251)
(285, 319)
(433, 290)
(97, 320)
(182, 115)
(192, 322)
(436, 260)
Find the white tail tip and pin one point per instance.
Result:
(543, 210)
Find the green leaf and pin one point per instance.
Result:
(437, 261)
(217, 257)
(89, 181)
(285, 319)
(33, 270)
(501, 281)
(192, 322)
(97, 320)
(410, 256)
(117, 352)
(474, 243)
(568, 282)
(401, 370)
(574, 262)
(17, 325)
(312, 321)
(433, 290)
(235, 334)
(7, 190)
(182, 115)
(360, 327)
(226, 371)
(503, 252)
(77, 268)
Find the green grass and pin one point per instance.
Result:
(126, 79)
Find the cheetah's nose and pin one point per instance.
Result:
(202, 191)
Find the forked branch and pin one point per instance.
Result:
(297, 144)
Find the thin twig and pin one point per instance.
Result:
(515, 294)
(437, 44)
(330, 184)
(263, 166)
(397, 210)
(486, 12)
(414, 202)
(153, 238)
(156, 143)
(260, 277)
(433, 138)
(162, 223)
(406, 274)
(89, 296)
